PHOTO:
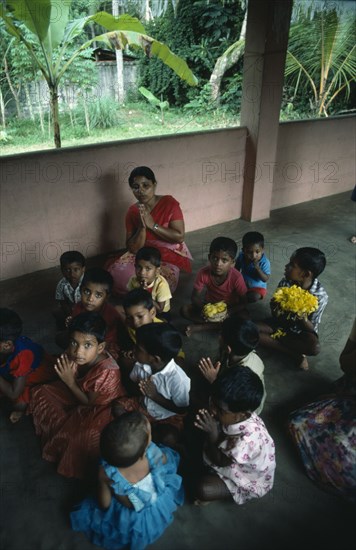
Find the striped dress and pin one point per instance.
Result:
(70, 431)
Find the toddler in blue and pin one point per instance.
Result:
(138, 488)
(254, 265)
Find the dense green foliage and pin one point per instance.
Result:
(321, 60)
(198, 31)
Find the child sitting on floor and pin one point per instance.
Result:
(139, 310)
(95, 290)
(163, 385)
(23, 364)
(238, 450)
(138, 488)
(239, 338)
(70, 413)
(148, 277)
(217, 282)
(68, 289)
(254, 265)
(301, 335)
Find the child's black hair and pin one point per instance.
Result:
(10, 325)
(241, 335)
(251, 238)
(70, 257)
(310, 259)
(239, 388)
(142, 171)
(159, 339)
(224, 244)
(99, 276)
(149, 254)
(137, 297)
(124, 440)
(89, 322)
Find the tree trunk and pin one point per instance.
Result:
(12, 88)
(40, 112)
(116, 5)
(2, 110)
(86, 114)
(53, 90)
(225, 62)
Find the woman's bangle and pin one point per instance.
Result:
(155, 226)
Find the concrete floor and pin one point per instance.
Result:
(35, 501)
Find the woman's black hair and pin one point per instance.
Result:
(138, 297)
(10, 325)
(241, 335)
(310, 259)
(99, 276)
(89, 322)
(142, 171)
(124, 440)
(149, 254)
(253, 237)
(239, 388)
(70, 257)
(224, 244)
(159, 339)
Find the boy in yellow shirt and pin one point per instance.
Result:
(148, 277)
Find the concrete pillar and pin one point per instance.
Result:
(265, 53)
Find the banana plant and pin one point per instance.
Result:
(153, 100)
(48, 21)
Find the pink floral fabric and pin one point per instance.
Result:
(252, 451)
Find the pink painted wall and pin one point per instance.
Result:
(315, 158)
(77, 198)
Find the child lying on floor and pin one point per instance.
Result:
(23, 364)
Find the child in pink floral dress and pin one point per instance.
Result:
(239, 453)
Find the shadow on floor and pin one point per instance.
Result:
(35, 501)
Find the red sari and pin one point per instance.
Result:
(70, 431)
(174, 256)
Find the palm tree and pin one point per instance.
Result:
(321, 57)
(48, 21)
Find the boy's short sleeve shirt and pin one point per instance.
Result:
(159, 290)
(233, 285)
(65, 291)
(317, 290)
(249, 273)
(171, 382)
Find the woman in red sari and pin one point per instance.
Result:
(70, 414)
(155, 220)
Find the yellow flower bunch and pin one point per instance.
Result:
(295, 302)
(215, 312)
(278, 334)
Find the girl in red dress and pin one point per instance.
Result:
(69, 414)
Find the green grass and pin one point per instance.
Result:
(132, 120)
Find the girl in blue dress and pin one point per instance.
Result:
(138, 488)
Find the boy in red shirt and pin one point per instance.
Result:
(217, 282)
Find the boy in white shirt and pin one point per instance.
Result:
(163, 386)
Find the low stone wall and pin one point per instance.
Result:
(77, 198)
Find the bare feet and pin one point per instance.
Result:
(15, 416)
(198, 502)
(302, 362)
